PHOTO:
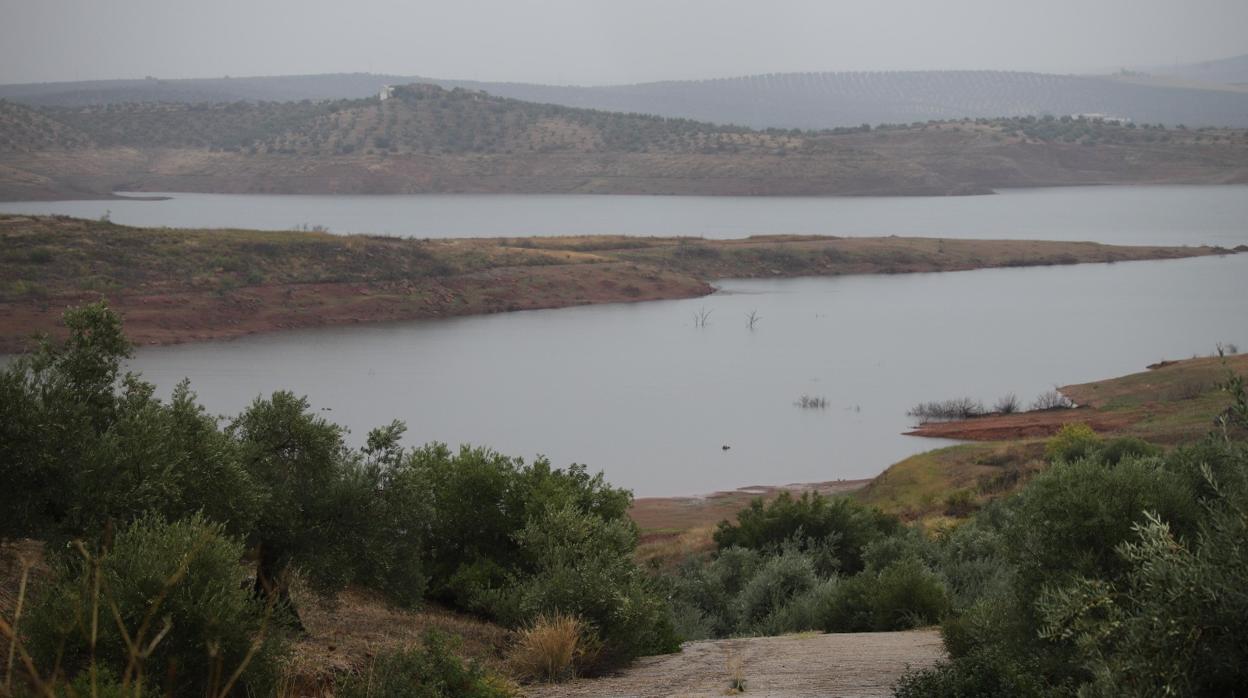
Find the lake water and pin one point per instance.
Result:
(638, 391)
(1168, 215)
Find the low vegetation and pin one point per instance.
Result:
(1102, 577)
(812, 402)
(806, 563)
(969, 408)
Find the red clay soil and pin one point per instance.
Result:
(173, 317)
(1022, 425)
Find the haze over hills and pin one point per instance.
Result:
(1228, 71)
(785, 100)
(427, 139)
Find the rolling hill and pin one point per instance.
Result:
(813, 100)
(429, 139)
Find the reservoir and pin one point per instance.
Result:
(644, 394)
(1138, 215)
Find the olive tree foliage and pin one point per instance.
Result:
(84, 446)
(1114, 574)
(176, 581)
(86, 449)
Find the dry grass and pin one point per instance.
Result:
(358, 625)
(548, 649)
(736, 674)
(665, 550)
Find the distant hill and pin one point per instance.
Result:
(423, 119)
(785, 100)
(25, 129)
(281, 88)
(1229, 71)
(428, 139)
(825, 100)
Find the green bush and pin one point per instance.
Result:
(780, 579)
(906, 594)
(182, 579)
(849, 608)
(980, 676)
(1072, 442)
(1100, 580)
(801, 612)
(1113, 451)
(431, 671)
(811, 519)
(1174, 625)
(579, 564)
(481, 499)
(84, 447)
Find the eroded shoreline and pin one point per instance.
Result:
(175, 286)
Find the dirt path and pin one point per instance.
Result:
(834, 665)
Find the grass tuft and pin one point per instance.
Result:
(548, 649)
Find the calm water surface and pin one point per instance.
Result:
(638, 391)
(1169, 215)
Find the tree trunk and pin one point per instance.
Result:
(273, 587)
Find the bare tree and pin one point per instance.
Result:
(751, 318)
(700, 317)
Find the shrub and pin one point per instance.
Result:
(959, 408)
(848, 608)
(1113, 451)
(907, 595)
(808, 521)
(1173, 626)
(1072, 442)
(182, 579)
(960, 503)
(985, 674)
(581, 564)
(431, 671)
(1006, 404)
(1098, 580)
(801, 612)
(547, 649)
(84, 447)
(903, 595)
(811, 402)
(781, 578)
(1051, 400)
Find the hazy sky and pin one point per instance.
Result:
(601, 41)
